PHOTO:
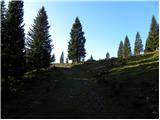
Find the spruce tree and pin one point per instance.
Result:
(157, 38)
(13, 48)
(76, 47)
(53, 58)
(4, 47)
(91, 59)
(126, 48)
(39, 42)
(3, 28)
(13, 61)
(3, 13)
(138, 46)
(120, 50)
(107, 55)
(4, 40)
(62, 58)
(66, 60)
(152, 42)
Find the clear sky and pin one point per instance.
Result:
(105, 23)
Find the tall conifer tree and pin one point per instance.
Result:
(120, 50)
(4, 47)
(126, 48)
(152, 42)
(66, 60)
(62, 58)
(53, 58)
(107, 55)
(76, 47)
(39, 42)
(138, 46)
(13, 48)
(16, 37)
(91, 58)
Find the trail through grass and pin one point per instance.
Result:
(75, 95)
(71, 91)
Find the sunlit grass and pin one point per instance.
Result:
(64, 65)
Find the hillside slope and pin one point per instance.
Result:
(132, 85)
(101, 89)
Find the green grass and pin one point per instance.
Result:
(62, 65)
(35, 88)
(133, 86)
(127, 89)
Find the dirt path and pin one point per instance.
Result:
(75, 96)
(67, 93)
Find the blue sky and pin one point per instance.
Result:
(105, 23)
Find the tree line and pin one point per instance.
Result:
(152, 42)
